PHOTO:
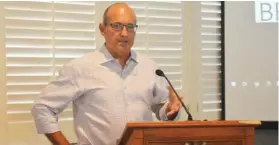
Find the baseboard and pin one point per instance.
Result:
(268, 125)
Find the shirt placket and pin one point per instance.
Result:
(127, 82)
(120, 101)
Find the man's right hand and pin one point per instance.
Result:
(57, 138)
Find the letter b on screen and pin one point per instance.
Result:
(267, 12)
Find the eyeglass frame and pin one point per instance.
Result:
(122, 26)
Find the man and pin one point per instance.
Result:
(108, 88)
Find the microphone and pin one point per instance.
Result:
(161, 74)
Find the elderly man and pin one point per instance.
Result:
(108, 88)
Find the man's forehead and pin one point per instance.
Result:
(121, 12)
(119, 6)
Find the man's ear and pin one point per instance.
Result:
(102, 28)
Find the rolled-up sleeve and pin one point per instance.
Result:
(54, 98)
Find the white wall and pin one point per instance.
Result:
(251, 64)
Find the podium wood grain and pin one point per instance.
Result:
(198, 132)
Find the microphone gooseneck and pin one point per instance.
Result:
(161, 74)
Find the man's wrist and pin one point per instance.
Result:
(163, 112)
(57, 138)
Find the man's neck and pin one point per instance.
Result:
(122, 59)
(122, 62)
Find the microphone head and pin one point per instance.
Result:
(160, 73)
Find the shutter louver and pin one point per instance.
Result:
(75, 30)
(160, 26)
(140, 9)
(29, 55)
(165, 31)
(39, 38)
(211, 57)
(160, 36)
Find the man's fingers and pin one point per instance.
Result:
(174, 108)
(172, 94)
(171, 91)
(181, 97)
(171, 112)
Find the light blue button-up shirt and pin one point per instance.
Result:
(104, 95)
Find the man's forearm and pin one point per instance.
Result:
(57, 138)
(156, 109)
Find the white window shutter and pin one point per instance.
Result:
(160, 36)
(140, 9)
(29, 54)
(74, 35)
(75, 30)
(29, 63)
(211, 59)
(39, 38)
(165, 32)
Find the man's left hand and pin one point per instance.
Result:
(173, 106)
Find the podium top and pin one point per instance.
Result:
(181, 125)
(221, 123)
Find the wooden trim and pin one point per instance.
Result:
(3, 96)
(191, 124)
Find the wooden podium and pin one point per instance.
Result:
(189, 133)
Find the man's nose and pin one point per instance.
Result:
(124, 31)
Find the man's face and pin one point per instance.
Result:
(119, 32)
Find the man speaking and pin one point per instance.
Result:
(108, 87)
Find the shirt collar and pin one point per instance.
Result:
(108, 57)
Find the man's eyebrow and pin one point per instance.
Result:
(121, 23)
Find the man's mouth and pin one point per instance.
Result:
(123, 41)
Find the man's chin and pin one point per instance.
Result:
(123, 48)
(123, 51)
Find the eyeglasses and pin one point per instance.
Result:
(119, 26)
